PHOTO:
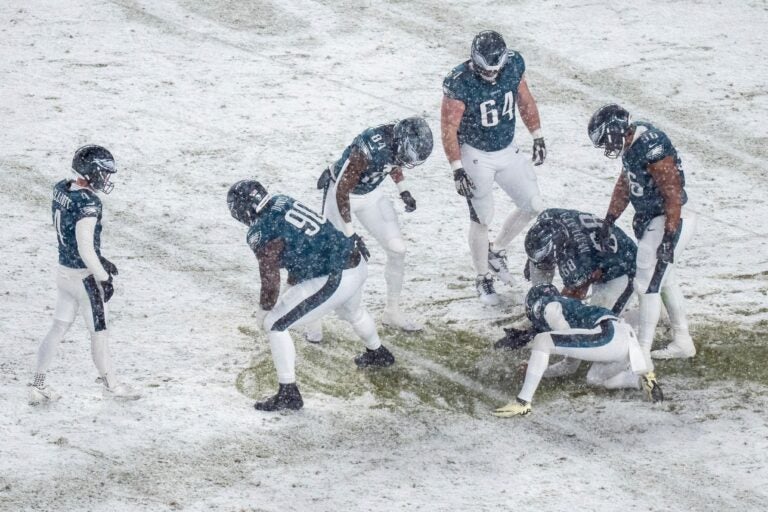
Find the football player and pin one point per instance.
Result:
(652, 179)
(568, 240)
(571, 328)
(478, 128)
(326, 272)
(351, 186)
(84, 277)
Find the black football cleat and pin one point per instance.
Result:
(287, 397)
(379, 358)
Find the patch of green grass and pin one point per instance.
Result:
(458, 370)
(724, 351)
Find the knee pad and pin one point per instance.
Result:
(535, 205)
(396, 246)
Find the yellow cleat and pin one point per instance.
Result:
(516, 408)
(652, 388)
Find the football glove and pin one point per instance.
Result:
(360, 246)
(539, 151)
(110, 267)
(464, 185)
(515, 338)
(108, 288)
(604, 235)
(666, 250)
(410, 202)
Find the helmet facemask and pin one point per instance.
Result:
(488, 55)
(413, 142)
(608, 129)
(246, 199)
(95, 165)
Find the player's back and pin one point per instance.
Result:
(378, 145)
(68, 207)
(313, 247)
(578, 314)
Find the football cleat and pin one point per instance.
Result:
(652, 388)
(287, 397)
(497, 262)
(379, 358)
(485, 289)
(517, 408)
(398, 320)
(120, 392)
(681, 348)
(42, 395)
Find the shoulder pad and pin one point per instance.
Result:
(87, 203)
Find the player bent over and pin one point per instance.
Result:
(571, 328)
(652, 179)
(352, 185)
(326, 273)
(567, 240)
(84, 276)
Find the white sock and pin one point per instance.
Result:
(650, 310)
(537, 363)
(102, 358)
(283, 355)
(674, 302)
(49, 346)
(365, 327)
(478, 247)
(393, 275)
(513, 225)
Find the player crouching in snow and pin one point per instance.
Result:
(571, 328)
(326, 273)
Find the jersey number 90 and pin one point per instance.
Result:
(304, 219)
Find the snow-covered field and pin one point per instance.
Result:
(192, 95)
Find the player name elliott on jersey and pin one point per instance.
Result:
(67, 208)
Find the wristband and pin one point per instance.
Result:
(456, 164)
(348, 229)
(401, 186)
(536, 134)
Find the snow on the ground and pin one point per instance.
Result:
(191, 96)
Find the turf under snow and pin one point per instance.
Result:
(192, 95)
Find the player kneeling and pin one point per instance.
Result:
(326, 273)
(571, 328)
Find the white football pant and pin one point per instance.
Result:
(610, 342)
(75, 296)
(307, 302)
(376, 213)
(655, 278)
(514, 173)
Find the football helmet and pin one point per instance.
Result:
(95, 165)
(608, 127)
(413, 141)
(540, 241)
(489, 54)
(534, 296)
(245, 199)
